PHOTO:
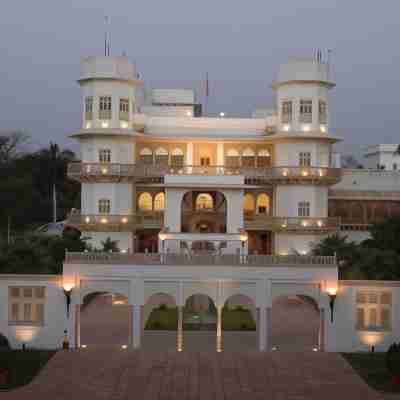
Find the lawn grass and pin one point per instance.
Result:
(23, 366)
(372, 368)
(232, 320)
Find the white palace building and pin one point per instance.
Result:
(222, 207)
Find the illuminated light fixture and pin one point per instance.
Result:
(124, 220)
(323, 128)
(67, 288)
(303, 253)
(104, 171)
(123, 251)
(83, 346)
(304, 173)
(104, 124)
(285, 172)
(284, 225)
(283, 253)
(306, 128)
(321, 172)
(275, 348)
(332, 293)
(87, 220)
(315, 349)
(222, 114)
(124, 347)
(124, 125)
(188, 113)
(88, 125)
(304, 223)
(104, 220)
(88, 169)
(320, 223)
(286, 127)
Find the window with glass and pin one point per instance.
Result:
(287, 111)
(248, 158)
(145, 202)
(306, 111)
(159, 202)
(161, 156)
(177, 158)
(146, 156)
(205, 161)
(204, 201)
(373, 310)
(26, 304)
(104, 206)
(124, 109)
(263, 159)
(263, 204)
(232, 158)
(322, 112)
(305, 159)
(105, 107)
(89, 108)
(105, 155)
(303, 209)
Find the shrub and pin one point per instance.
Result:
(4, 344)
(240, 308)
(163, 307)
(393, 359)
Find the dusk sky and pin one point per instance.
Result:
(174, 43)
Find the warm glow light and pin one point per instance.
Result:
(304, 253)
(222, 114)
(321, 172)
(88, 169)
(274, 348)
(323, 128)
(68, 287)
(124, 347)
(320, 223)
(162, 236)
(286, 127)
(306, 128)
(88, 125)
(104, 124)
(244, 236)
(87, 220)
(304, 223)
(26, 334)
(315, 349)
(104, 220)
(104, 171)
(124, 220)
(188, 113)
(283, 253)
(83, 346)
(124, 125)
(285, 172)
(371, 338)
(304, 173)
(332, 291)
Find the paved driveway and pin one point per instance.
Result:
(121, 375)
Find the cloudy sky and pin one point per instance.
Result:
(173, 43)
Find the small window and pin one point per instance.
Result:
(28, 292)
(105, 107)
(161, 156)
(26, 304)
(89, 108)
(305, 159)
(303, 209)
(204, 201)
(306, 111)
(104, 206)
(248, 203)
(263, 159)
(159, 202)
(263, 204)
(232, 158)
(146, 156)
(124, 109)
(145, 202)
(105, 155)
(205, 161)
(248, 158)
(287, 111)
(177, 158)
(322, 114)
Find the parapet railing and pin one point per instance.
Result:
(198, 259)
(306, 224)
(78, 170)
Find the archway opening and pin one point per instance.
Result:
(199, 323)
(160, 323)
(105, 320)
(295, 324)
(239, 324)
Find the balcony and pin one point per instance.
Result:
(108, 172)
(200, 259)
(116, 223)
(291, 224)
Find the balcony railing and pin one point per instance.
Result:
(193, 259)
(291, 224)
(116, 223)
(110, 171)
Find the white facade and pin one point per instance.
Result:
(382, 156)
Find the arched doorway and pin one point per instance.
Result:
(105, 320)
(295, 324)
(239, 324)
(160, 323)
(199, 324)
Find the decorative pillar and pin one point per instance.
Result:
(189, 156)
(179, 336)
(137, 329)
(77, 326)
(321, 332)
(220, 157)
(262, 331)
(130, 312)
(219, 329)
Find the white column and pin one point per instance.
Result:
(219, 329)
(189, 154)
(321, 332)
(137, 326)
(179, 337)
(220, 155)
(77, 333)
(262, 331)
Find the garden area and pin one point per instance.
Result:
(18, 368)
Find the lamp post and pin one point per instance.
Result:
(162, 236)
(67, 292)
(243, 238)
(332, 293)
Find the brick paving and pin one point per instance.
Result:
(110, 373)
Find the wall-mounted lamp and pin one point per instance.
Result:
(162, 235)
(67, 292)
(332, 293)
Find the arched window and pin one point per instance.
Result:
(104, 206)
(232, 158)
(248, 158)
(248, 204)
(177, 157)
(264, 158)
(161, 156)
(146, 156)
(159, 202)
(263, 204)
(204, 201)
(145, 202)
